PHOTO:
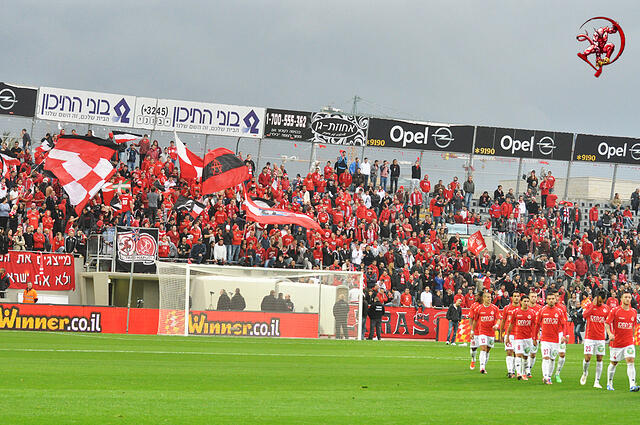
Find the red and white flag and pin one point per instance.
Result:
(124, 136)
(264, 215)
(82, 165)
(476, 243)
(8, 162)
(190, 164)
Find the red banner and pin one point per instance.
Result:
(83, 319)
(409, 322)
(476, 243)
(244, 323)
(47, 271)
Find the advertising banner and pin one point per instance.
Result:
(139, 245)
(86, 107)
(339, 129)
(289, 125)
(618, 150)
(245, 323)
(84, 319)
(47, 271)
(420, 135)
(409, 322)
(197, 117)
(518, 143)
(16, 100)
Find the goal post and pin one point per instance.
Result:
(197, 299)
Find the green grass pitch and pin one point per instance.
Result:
(118, 379)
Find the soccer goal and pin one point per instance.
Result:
(256, 301)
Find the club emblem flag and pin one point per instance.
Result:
(222, 169)
(82, 164)
(264, 215)
(476, 243)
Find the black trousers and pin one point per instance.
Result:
(375, 324)
(341, 329)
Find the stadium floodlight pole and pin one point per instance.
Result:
(566, 182)
(130, 288)
(259, 154)
(33, 127)
(186, 300)
(518, 177)
(237, 145)
(206, 143)
(613, 181)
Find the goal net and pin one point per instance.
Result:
(254, 301)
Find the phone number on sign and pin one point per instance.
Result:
(585, 157)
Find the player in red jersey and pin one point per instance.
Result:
(620, 326)
(595, 314)
(550, 322)
(522, 324)
(535, 308)
(507, 316)
(488, 316)
(562, 344)
(474, 330)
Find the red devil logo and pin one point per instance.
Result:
(599, 44)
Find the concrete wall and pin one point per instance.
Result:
(595, 188)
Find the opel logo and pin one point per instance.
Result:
(443, 137)
(546, 145)
(635, 151)
(7, 99)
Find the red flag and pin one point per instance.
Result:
(264, 215)
(190, 163)
(223, 169)
(8, 162)
(124, 136)
(82, 166)
(476, 243)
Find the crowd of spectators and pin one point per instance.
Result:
(398, 236)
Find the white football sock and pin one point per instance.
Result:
(545, 368)
(483, 359)
(598, 370)
(585, 367)
(473, 354)
(553, 366)
(611, 370)
(631, 373)
(518, 364)
(560, 365)
(510, 363)
(532, 362)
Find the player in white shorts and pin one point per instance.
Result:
(523, 323)
(535, 308)
(473, 346)
(507, 315)
(550, 321)
(620, 326)
(595, 315)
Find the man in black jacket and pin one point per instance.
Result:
(340, 313)
(237, 301)
(454, 315)
(269, 302)
(4, 282)
(376, 311)
(224, 303)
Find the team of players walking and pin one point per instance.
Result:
(529, 327)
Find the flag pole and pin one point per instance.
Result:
(130, 290)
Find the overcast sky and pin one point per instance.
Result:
(510, 63)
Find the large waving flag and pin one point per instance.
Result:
(476, 243)
(190, 163)
(222, 169)
(8, 162)
(82, 165)
(264, 215)
(124, 136)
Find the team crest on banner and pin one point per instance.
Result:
(138, 245)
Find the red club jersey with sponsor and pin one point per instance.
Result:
(472, 315)
(622, 323)
(507, 315)
(551, 321)
(595, 316)
(524, 323)
(487, 318)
